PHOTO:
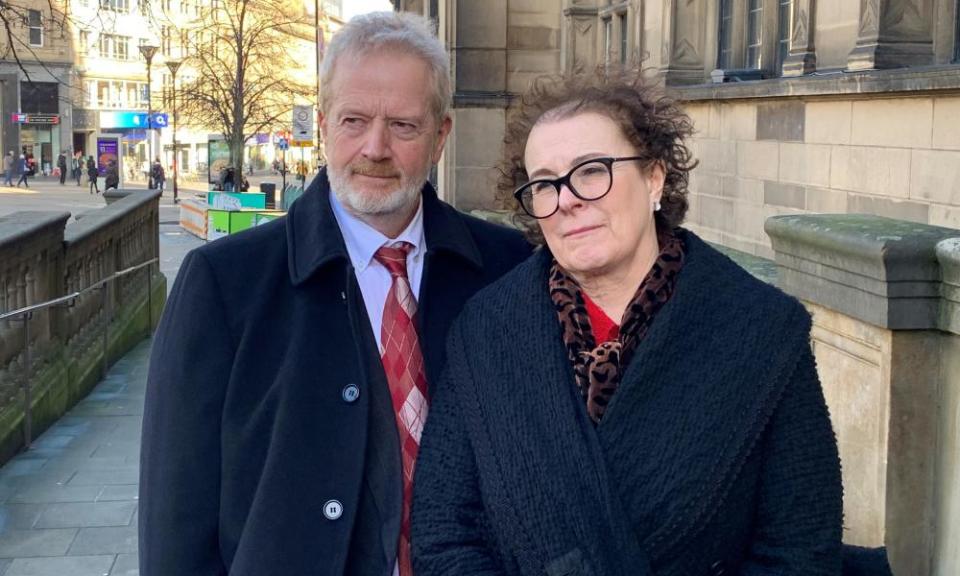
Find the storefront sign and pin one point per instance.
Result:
(19, 118)
(132, 120)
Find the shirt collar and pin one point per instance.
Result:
(363, 241)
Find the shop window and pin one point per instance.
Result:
(35, 23)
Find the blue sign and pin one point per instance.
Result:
(132, 120)
(283, 144)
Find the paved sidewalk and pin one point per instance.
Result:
(68, 506)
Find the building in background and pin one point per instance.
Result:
(36, 72)
(87, 76)
(800, 105)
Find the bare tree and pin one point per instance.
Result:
(248, 73)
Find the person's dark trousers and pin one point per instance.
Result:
(23, 178)
(8, 178)
(93, 186)
(77, 174)
(63, 176)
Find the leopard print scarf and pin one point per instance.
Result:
(597, 367)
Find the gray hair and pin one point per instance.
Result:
(404, 31)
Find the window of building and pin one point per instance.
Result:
(114, 46)
(165, 40)
(754, 58)
(115, 5)
(956, 34)
(725, 51)
(144, 6)
(607, 40)
(784, 26)
(167, 5)
(622, 21)
(184, 43)
(84, 41)
(116, 94)
(35, 23)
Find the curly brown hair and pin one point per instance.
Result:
(654, 124)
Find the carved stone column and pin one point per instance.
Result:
(684, 25)
(803, 53)
(578, 35)
(893, 34)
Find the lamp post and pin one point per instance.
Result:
(148, 51)
(174, 65)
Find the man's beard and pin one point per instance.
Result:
(376, 203)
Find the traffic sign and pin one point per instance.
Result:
(303, 123)
(283, 144)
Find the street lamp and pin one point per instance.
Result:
(174, 65)
(148, 51)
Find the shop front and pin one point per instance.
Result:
(40, 139)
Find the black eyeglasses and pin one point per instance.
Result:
(588, 180)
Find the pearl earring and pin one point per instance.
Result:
(656, 206)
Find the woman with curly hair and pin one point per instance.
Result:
(628, 401)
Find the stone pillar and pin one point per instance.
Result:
(893, 34)
(946, 550)
(803, 53)
(874, 287)
(684, 40)
(579, 35)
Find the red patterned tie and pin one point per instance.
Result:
(403, 365)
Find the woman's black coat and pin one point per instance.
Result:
(716, 456)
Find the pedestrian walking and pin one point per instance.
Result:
(77, 166)
(92, 175)
(159, 176)
(8, 163)
(111, 179)
(62, 166)
(26, 170)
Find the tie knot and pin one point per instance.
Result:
(394, 258)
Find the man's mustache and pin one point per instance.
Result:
(375, 169)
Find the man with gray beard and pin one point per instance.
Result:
(290, 374)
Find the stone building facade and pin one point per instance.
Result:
(828, 136)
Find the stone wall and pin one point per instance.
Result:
(886, 308)
(69, 346)
(895, 157)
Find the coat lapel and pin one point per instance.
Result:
(697, 395)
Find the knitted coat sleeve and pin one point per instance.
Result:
(800, 508)
(449, 530)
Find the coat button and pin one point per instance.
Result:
(333, 509)
(350, 393)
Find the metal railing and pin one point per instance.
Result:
(25, 314)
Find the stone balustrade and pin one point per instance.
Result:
(43, 257)
(885, 298)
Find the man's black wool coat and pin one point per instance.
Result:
(251, 428)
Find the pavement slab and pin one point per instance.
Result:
(68, 506)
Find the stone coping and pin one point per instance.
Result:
(948, 253)
(913, 79)
(20, 225)
(882, 271)
(95, 220)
